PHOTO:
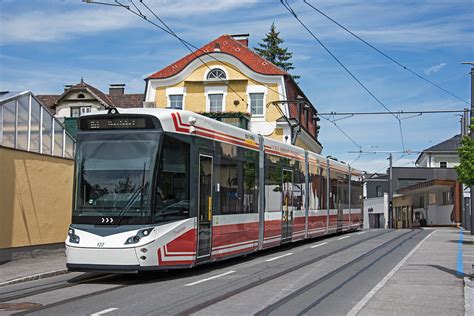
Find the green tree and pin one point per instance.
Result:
(271, 50)
(465, 170)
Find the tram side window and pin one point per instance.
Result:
(298, 190)
(172, 191)
(229, 193)
(273, 182)
(345, 192)
(250, 187)
(238, 184)
(321, 189)
(356, 194)
(339, 190)
(313, 200)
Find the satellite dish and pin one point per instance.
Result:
(263, 128)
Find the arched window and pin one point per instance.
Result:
(216, 74)
(81, 96)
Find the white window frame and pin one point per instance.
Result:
(72, 108)
(84, 110)
(216, 80)
(175, 91)
(257, 89)
(175, 95)
(215, 90)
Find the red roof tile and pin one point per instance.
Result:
(227, 45)
(48, 100)
(131, 100)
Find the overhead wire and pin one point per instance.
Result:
(342, 131)
(385, 54)
(168, 30)
(292, 12)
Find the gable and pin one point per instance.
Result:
(225, 45)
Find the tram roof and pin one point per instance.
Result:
(180, 121)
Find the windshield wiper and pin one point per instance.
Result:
(130, 202)
(134, 196)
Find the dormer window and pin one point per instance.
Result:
(81, 96)
(216, 74)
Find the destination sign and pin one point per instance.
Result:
(115, 123)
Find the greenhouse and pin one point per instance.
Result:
(26, 125)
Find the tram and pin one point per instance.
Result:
(161, 189)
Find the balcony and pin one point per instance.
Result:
(238, 119)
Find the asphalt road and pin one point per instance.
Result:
(322, 276)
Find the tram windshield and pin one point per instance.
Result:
(114, 175)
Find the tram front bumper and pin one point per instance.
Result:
(102, 260)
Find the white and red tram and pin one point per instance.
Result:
(160, 189)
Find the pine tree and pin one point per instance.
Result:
(270, 50)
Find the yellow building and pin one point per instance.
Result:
(226, 78)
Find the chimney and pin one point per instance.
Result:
(242, 38)
(67, 87)
(116, 89)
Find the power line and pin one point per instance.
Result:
(350, 114)
(385, 54)
(170, 32)
(342, 131)
(292, 12)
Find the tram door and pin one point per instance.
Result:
(340, 209)
(287, 203)
(205, 208)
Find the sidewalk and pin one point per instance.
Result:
(45, 265)
(431, 281)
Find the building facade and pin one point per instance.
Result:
(83, 98)
(427, 195)
(224, 78)
(442, 155)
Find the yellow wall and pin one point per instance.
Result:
(195, 99)
(35, 198)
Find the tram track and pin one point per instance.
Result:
(260, 281)
(138, 281)
(196, 307)
(45, 288)
(276, 305)
(76, 298)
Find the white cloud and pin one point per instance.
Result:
(57, 23)
(434, 68)
(42, 26)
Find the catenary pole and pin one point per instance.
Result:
(471, 201)
(390, 193)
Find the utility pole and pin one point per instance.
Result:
(390, 193)
(471, 201)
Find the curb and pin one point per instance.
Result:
(35, 277)
(468, 297)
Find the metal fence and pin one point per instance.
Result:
(26, 125)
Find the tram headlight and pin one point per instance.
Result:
(73, 238)
(140, 234)
(144, 232)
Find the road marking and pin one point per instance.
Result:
(459, 261)
(210, 278)
(360, 233)
(105, 311)
(317, 245)
(356, 309)
(275, 258)
(344, 237)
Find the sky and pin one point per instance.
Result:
(46, 44)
